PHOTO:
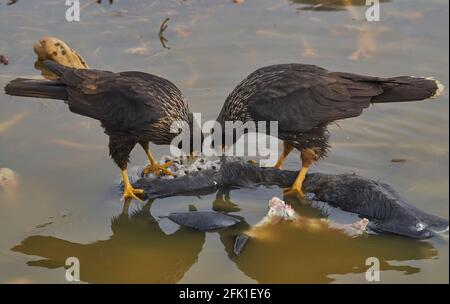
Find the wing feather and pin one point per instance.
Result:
(122, 101)
(301, 101)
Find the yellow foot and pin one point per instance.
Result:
(294, 191)
(130, 193)
(157, 169)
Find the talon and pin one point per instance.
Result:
(154, 167)
(157, 169)
(130, 193)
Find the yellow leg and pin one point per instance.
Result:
(154, 167)
(286, 150)
(308, 156)
(296, 188)
(128, 191)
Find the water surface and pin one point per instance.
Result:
(66, 206)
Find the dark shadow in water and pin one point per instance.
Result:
(330, 5)
(283, 253)
(137, 252)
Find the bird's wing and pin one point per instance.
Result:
(302, 101)
(125, 102)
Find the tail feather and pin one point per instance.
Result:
(407, 88)
(56, 68)
(51, 89)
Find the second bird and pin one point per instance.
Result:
(304, 99)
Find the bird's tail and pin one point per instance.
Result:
(407, 88)
(56, 68)
(52, 89)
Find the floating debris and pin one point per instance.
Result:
(4, 60)
(399, 160)
(332, 5)
(9, 180)
(109, 1)
(51, 48)
(162, 28)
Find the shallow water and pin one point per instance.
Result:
(67, 205)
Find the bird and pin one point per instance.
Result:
(133, 108)
(304, 99)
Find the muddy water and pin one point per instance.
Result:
(66, 203)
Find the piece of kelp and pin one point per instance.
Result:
(386, 209)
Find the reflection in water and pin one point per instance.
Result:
(222, 203)
(137, 252)
(367, 44)
(140, 252)
(331, 5)
(285, 254)
(367, 35)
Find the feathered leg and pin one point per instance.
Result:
(120, 148)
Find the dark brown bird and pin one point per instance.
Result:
(133, 108)
(304, 99)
